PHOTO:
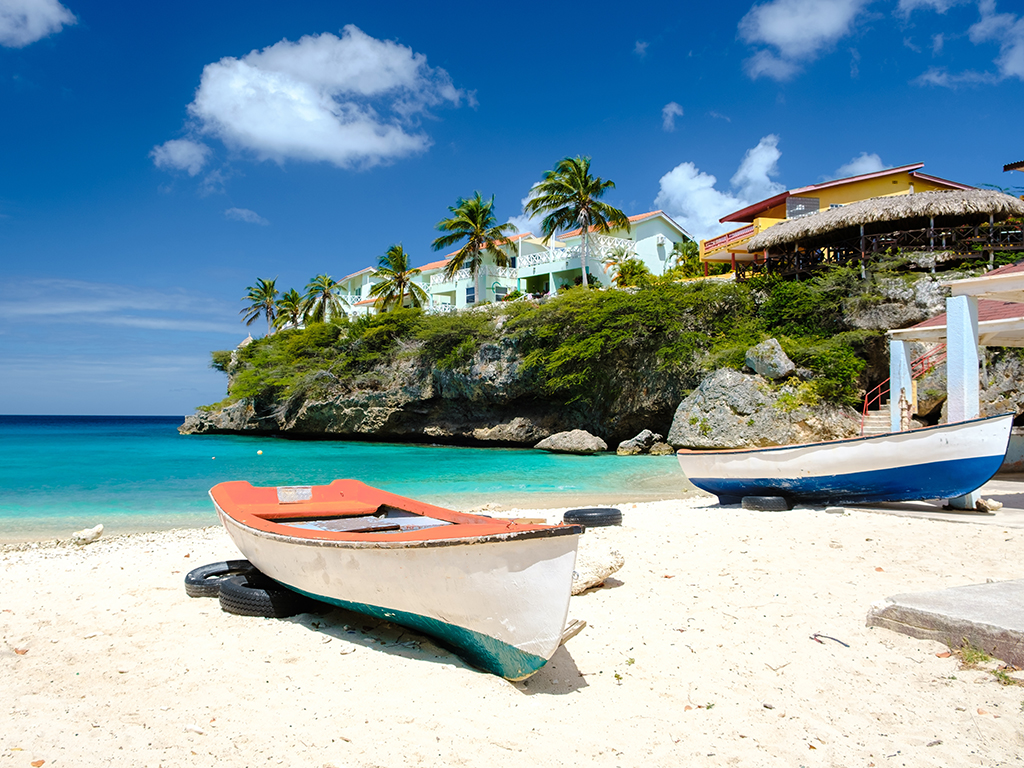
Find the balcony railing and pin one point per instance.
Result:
(715, 244)
(465, 274)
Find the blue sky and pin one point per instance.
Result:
(156, 159)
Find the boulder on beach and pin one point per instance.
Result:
(640, 444)
(87, 535)
(574, 441)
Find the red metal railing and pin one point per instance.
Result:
(919, 366)
(717, 243)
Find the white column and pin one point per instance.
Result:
(962, 359)
(899, 379)
(962, 383)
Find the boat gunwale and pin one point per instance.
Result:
(684, 452)
(389, 541)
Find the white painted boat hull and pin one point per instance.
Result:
(938, 462)
(500, 601)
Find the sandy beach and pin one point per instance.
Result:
(699, 651)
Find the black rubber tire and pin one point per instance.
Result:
(593, 517)
(766, 503)
(259, 595)
(205, 580)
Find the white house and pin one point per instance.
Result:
(492, 283)
(534, 266)
(651, 238)
(355, 290)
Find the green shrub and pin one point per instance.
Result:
(220, 360)
(450, 340)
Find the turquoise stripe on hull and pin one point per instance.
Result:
(935, 480)
(478, 649)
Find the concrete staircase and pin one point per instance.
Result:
(877, 422)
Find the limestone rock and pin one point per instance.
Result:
(574, 441)
(640, 444)
(768, 359)
(520, 430)
(87, 535)
(661, 449)
(734, 410)
(592, 568)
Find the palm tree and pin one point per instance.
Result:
(289, 310)
(261, 298)
(569, 196)
(473, 221)
(322, 300)
(614, 260)
(396, 281)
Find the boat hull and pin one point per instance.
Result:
(939, 462)
(499, 600)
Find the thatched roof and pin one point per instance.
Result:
(959, 206)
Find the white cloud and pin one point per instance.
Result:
(689, 195)
(80, 303)
(669, 113)
(863, 163)
(244, 214)
(24, 21)
(906, 7)
(753, 178)
(798, 30)
(181, 154)
(1005, 29)
(525, 223)
(640, 49)
(352, 101)
(941, 77)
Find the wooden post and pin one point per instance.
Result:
(863, 255)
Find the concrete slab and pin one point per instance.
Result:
(988, 616)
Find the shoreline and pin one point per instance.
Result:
(120, 525)
(700, 649)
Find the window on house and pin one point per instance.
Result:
(801, 206)
(500, 291)
(471, 295)
(512, 262)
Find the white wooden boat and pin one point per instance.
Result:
(940, 462)
(495, 591)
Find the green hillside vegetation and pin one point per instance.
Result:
(583, 346)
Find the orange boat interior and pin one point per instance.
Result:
(350, 510)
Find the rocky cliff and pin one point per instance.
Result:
(492, 400)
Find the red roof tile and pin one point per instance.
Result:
(988, 309)
(1006, 269)
(632, 220)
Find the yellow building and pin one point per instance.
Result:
(732, 246)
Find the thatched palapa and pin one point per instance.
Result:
(880, 214)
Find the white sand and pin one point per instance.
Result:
(698, 652)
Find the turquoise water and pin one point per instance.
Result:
(59, 474)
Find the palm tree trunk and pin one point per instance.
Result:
(583, 255)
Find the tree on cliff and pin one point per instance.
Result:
(397, 282)
(289, 310)
(473, 221)
(568, 195)
(262, 301)
(322, 300)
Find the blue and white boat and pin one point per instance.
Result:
(496, 591)
(940, 462)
